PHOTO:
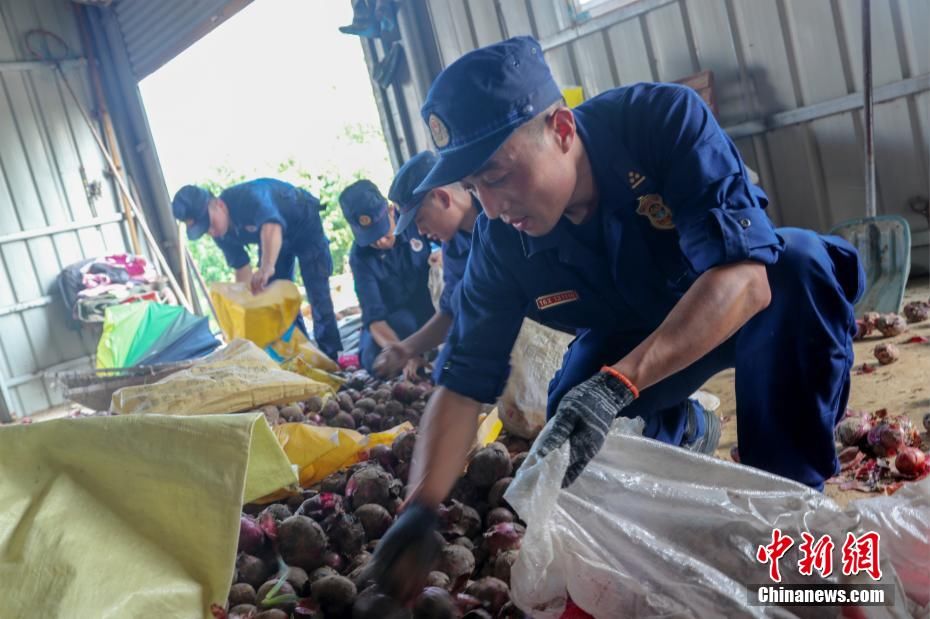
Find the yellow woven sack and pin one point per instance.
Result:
(239, 377)
(129, 517)
(261, 318)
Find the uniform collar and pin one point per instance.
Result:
(561, 239)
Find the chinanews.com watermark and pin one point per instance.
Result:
(858, 555)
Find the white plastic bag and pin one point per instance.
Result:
(650, 530)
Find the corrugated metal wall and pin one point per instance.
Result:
(774, 62)
(47, 220)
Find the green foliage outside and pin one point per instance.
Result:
(325, 185)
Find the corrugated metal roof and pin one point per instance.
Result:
(156, 31)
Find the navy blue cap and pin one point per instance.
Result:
(190, 204)
(479, 100)
(403, 190)
(366, 210)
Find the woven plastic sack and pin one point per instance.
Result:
(536, 356)
(240, 377)
(294, 344)
(650, 530)
(318, 451)
(261, 318)
(128, 517)
(299, 366)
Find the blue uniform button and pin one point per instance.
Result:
(744, 222)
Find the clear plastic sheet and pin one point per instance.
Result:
(651, 530)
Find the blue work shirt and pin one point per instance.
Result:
(390, 280)
(674, 201)
(454, 260)
(266, 200)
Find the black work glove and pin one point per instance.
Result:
(406, 553)
(583, 418)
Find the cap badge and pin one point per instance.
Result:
(364, 220)
(416, 244)
(653, 207)
(439, 131)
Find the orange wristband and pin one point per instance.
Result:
(623, 379)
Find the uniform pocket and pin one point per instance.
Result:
(847, 266)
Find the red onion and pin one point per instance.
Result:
(911, 462)
(734, 453)
(886, 353)
(333, 560)
(852, 428)
(465, 602)
(269, 525)
(503, 536)
(251, 536)
(892, 438)
(320, 506)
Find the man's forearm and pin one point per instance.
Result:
(271, 241)
(447, 432)
(716, 306)
(430, 335)
(382, 333)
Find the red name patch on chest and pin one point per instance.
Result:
(557, 298)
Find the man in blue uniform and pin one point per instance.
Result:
(446, 214)
(391, 272)
(630, 217)
(285, 222)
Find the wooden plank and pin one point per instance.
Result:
(669, 43)
(713, 42)
(630, 54)
(766, 57)
(484, 19)
(593, 63)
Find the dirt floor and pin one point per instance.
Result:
(903, 387)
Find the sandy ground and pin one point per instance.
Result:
(903, 387)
